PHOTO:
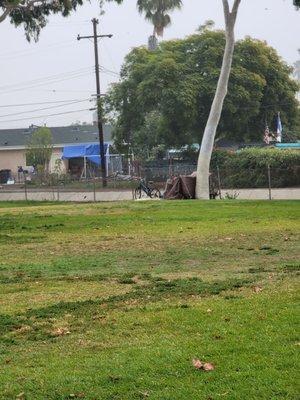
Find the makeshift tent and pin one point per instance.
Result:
(88, 151)
(182, 187)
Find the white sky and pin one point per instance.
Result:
(59, 53)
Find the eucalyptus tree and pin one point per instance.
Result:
(202, 182)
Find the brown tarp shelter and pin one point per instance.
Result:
(179, 188)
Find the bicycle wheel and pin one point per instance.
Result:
(155, 194)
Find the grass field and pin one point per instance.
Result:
(113, 301)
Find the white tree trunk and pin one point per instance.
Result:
(202, 183)
(4, 14)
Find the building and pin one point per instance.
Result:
(13, 145)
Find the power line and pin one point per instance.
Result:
(44, 108)
(46, 78)
(38, 103)
(48, 115)
(63, 91)
(53, 79)
(24, 53)
(49, 83)
(108, 71)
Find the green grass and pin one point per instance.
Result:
(113, 301)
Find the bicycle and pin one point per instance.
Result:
(145, 190)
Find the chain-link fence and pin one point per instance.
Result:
(264, 182)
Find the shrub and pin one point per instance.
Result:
(249, 167)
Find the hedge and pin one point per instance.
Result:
(248, 168)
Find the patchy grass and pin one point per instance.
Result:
(113, 301)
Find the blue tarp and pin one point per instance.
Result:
(90, 150)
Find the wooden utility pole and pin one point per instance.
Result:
(95, 36)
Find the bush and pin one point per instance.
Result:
(248, 168)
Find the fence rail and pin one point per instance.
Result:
(230, 184)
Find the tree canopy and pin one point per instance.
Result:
(164, 97)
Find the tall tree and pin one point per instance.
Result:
(156, 11)
(202, 183)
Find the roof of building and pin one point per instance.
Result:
(295, 145)
(74, 134)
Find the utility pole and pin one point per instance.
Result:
(95, 36)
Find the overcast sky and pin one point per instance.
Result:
(60, 68)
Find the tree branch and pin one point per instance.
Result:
(235, 9)
(226, 11)
(5, 14)
(230, 16)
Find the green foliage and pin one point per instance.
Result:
(39, 148)
(248, 168)
(169, 92)
(33, 15)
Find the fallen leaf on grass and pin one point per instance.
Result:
(197, 364)
(208, 367)
(202, 365)
(21, 396)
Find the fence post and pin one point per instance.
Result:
(219, 182)
(57, 189)
(269, 182)
(94, 189)
(52, 182)
(25, 186)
